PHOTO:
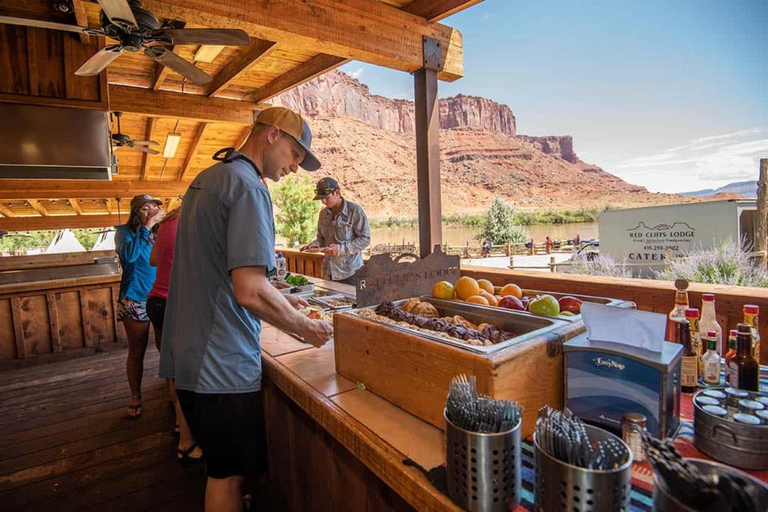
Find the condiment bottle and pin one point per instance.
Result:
(728, 356)
(692, 315)
(745, 372)
(689, 367)
(678, 312)
(711, 361)
(632, 427)
(708, 320)
(751, 313)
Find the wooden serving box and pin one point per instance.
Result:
(414, 371)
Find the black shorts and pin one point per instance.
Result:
(156, 311)
(230, 430)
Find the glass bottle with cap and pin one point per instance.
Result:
(728, 356)
(678, 312)
(692, 315)
(281, 267)
(711, 361)
(632, 427)
(751, 314)
(689, 367)
(745, 372)
(708, 320)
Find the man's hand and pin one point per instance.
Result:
(296, 301)
(331, 250)
(316, 332)
(313, 245)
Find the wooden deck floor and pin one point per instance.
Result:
(66, 444)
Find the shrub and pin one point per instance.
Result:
(600, 265)
(297, 211)
(727, 264)
(500, 227)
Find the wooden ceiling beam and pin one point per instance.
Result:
(35, 204)
(151, 123)
(64, 189)
(436, 10)
(81, 18)
(60, 222)
(196, 141)
(240, 64)
(6, 211)
(365, 30)
(75, 204)
(304, 72)
(135, 100)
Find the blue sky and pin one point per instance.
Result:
(671, 95)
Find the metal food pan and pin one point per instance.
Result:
(584, 298)
(321, 301)
(526, 326)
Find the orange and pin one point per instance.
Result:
(512, 289)
(492, 300)
(478, 299)
(485, 285)
(443, 290)
(467, 287)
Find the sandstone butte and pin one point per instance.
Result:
(367, 143)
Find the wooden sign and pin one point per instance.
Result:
(383, 278)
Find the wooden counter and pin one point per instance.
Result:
(336, 447)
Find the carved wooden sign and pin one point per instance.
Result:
(383, 278)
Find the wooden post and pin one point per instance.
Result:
(428, 148)
(761, 231)
(552, 265)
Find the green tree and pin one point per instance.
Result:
(297, 211)
(25, 240)
(500, 227)
(87, 236)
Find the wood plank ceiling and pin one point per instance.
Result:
(291, 43)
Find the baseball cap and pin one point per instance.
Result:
(142, 199)
(295, 126)
(325, 187)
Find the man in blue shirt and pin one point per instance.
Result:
(219, 292)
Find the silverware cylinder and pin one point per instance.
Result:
(561, 486)
(483, 470)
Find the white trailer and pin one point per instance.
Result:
(648, 236)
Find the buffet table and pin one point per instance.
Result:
(333, 442)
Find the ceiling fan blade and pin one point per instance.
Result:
(217, 36)
(41, 24)
(100, 60)
(146, 150)
(144, 143)
(118, 11)
(179, 65)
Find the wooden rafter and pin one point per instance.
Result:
(304, 72)
(35, 204)
(81, 18)
(135, 100)
(75, 204)
(151, 123)
(198, 139)
(436, 10)
(160, 72)
(64, 189)
(6, 211)
(257, 50)
(59, 222)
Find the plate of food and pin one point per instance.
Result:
(316, 313)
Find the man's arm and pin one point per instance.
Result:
(254, 293)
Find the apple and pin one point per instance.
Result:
(511, 302)
(567, 313)
(545, 305)
(526, 301)
(571, 304)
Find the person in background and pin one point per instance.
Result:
(133, 243)
(162, 258)
(219, 293)
(342, 233)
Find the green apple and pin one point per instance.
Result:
(545, 305)
(567, 313)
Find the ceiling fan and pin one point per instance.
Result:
(121, 140)
(137, 30)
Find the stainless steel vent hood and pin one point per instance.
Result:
(62, 143)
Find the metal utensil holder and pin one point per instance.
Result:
(665, 501)
(483, 470)
(562, 486)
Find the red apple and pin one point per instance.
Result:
(526, 301)
(511, 302)
(571, 304)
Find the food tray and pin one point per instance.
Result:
(322, 301)
(584, 298)
(723, 439)
(524, 325)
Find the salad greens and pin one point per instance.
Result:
(297, 280)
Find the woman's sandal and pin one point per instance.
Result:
(184, 457)
(137, 409)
